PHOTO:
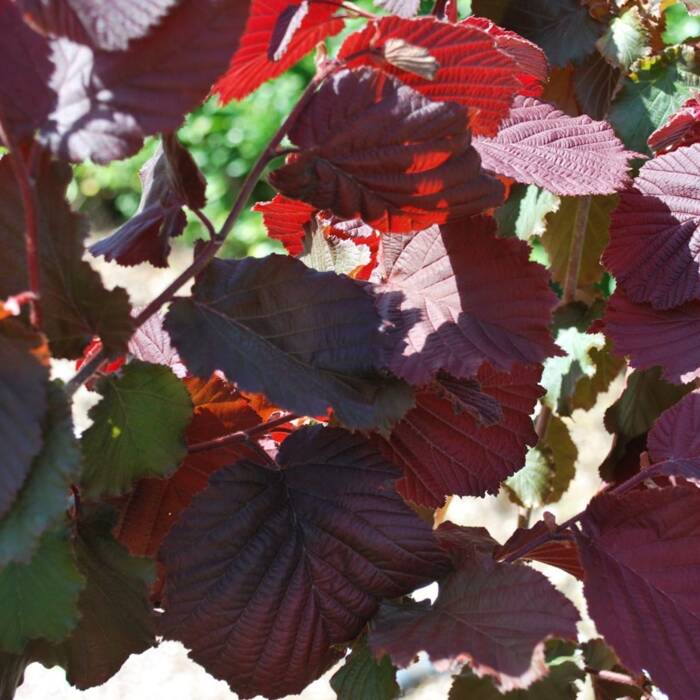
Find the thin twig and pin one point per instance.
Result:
(542, 539)
(211, 248)
(206, 222)
(31, 230)
(240, 435)
(578, 241)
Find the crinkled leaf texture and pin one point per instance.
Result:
(103, 25)
(445, 449)
(284, 220)
(306, 339)
(138, 429)
(403, 8)
(23, 405)
(472, 70)
(278, 34)
(76, 307)
(105, 98)
(641, 556)
(651, 337)
(681, 129)
(363, 676)
(267, 570)
(495, 616)
(654, 249)
(457, 296)
(151, 343)
(539, 145)
(43, 499)
(375, 149)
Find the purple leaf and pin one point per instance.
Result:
(495, 616)
(457, 296)
(654, 249)
(402, 8)
(641, 556)
(151, 343)
(266, 570)
(539, 145)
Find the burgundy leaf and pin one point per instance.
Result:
(284, 220)
(472, 69)
(641, 556)
(539, 145)
(461, 542)
(650, 337)
(375, 149)
(445, 451)
(682, 128)
(169, 181)
(654, 249)
(151, 343)
(457, 296)
(103, 25)
(466, 395)
(402, 8)
(268, 570)
(278, 34)
(495, 616)
(106, 98)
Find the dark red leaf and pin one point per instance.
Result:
(445, 451)
(650, 337)
(654, 249)
(103, 25)
(539, 145)
(472, 71)
(641, 556)
(461, 542)
(267, 570)
(106, 101)
(682, 128)
(457, 296)
(375, 149)
(495, 616)
(278, 34)
(284, 220)
(148, 512)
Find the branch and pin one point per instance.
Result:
(578, 240)
(542, 539)
(240, 435)
(211, 248)
(31, 232)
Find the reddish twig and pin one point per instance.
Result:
(240, 435)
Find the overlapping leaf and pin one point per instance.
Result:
(267, 570)
(105, 98)
(284, 220)
(625, 40)
(363, 676)
(23, 404)
(455, 298)
(640, 554)
(42, 502)
(496, 616)
(654, 249)
(75, 305)
(151, 343)
(278, 34)
(444, 449)
(107, 25)
(306, 339)
(137, 431)
(471, 68)
(375, 149)
(540, 145)
(681, 129)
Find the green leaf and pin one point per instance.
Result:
(116, 617)
(559, 234)
(43, 500)
(649, 96)
(362, 676)
(137, 431)
(680, 24)
(549, 468)
(76, 306)
(40, 598)
(607, 367)
(524, 212)
(626, 39)
(599, 656)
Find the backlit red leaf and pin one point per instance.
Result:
(539, 145)
(472, 71)
(654, 249)
(284, 220)
(457, 296)
(444, 450)
(375, 149)
(641, 556)
(267, 570)
(278, 34)
(495, 616)
(681, 129)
